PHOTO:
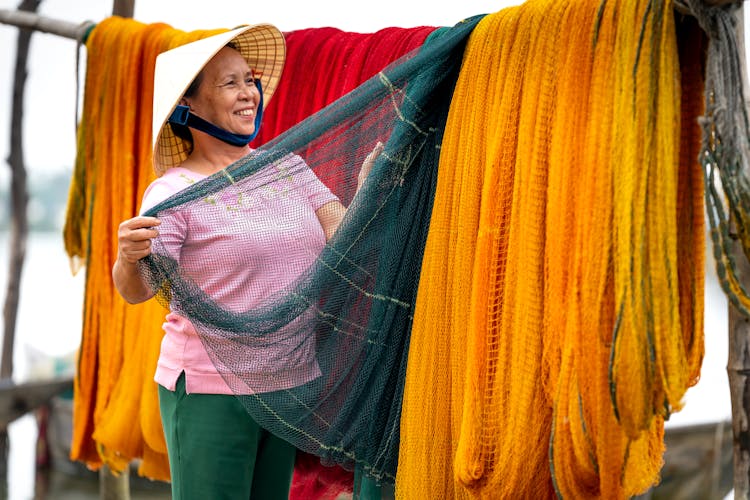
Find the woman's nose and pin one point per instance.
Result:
(248, 90)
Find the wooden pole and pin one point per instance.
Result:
(738, 357)
(19, 226)
(123, 8)
(35, 22)
(19, 199)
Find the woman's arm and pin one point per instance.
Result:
(332, 213)
(330, 216)
(133, 243)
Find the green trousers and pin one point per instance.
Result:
(366, 488)
(218, 452)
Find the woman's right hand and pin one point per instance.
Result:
(133, 243)
(134, 238)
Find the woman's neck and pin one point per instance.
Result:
(210, 158)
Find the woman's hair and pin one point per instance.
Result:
(182, 131)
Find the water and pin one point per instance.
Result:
(50, 304)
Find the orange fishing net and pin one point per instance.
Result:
(115, 411)
(557, 321)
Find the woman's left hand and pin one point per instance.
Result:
(364, 171)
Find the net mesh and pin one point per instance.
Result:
(545, 281)
(351, 304)
(114, 385)
(566, 152)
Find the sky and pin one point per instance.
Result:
(49, 126)
(49, 109)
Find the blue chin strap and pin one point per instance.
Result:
(182, 116)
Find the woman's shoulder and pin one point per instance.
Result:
(170, 182)
(179, 177)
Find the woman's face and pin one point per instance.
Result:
(227, 96)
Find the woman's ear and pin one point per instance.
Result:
(184, 102)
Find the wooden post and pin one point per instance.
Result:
(738, 357)
(116, 486)
(19, 198)
(123, 8)
(111, 486)
(738, 371)
(19, 226)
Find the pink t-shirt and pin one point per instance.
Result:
(286, 238)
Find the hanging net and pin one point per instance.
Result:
(114, 386)
(558, 320)
(318, 353)
(530, 240)
(560, 299)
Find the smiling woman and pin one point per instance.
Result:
(223, 101)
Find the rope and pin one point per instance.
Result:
(724, 145)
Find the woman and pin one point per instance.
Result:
(208, 103)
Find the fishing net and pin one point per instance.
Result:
(114, 384)
(558, 319)
(546, 285)
(319, 358)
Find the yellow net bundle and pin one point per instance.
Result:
(116, 413)
(559, 317)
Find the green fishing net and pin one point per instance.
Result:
(352, 306)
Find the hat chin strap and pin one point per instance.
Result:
(183, 116)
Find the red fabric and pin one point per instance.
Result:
(314, 481)
(322, 65)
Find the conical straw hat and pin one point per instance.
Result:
(262, 45)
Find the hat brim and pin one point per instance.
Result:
(263, 47)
